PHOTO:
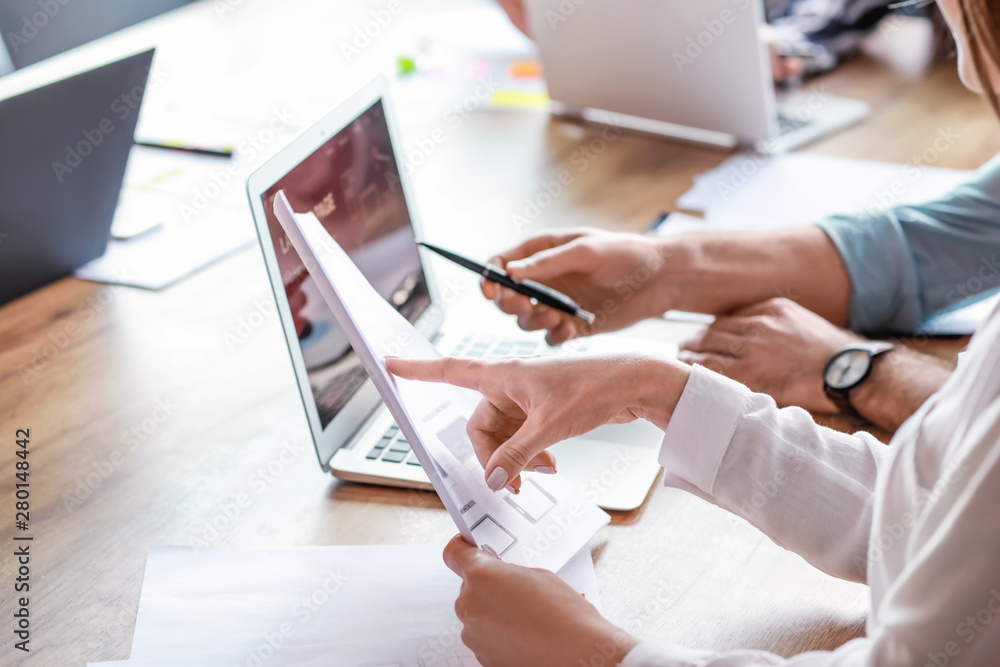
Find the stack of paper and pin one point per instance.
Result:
(177, 213)
(309, 606)
(752, 192)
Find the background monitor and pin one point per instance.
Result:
(63, 151)
(6, 66)
(33, 30)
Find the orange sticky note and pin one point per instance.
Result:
(526, 69)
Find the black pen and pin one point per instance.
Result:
(185, 148)
(660, 218)
(529, 288)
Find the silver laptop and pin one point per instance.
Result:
(345, 170)
(693, 70)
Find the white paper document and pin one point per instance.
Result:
(168, 253)
(307, 606)
(177, 213)
(752, 192)
(543, 526)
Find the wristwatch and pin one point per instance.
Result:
(848, 368)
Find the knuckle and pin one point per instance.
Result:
(477, 573)
(516, 454)
(526, 322)
(779, 305)
(586, 250)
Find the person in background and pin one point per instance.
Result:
(916, 521)
(887, 273)
(830, 31)
(789, 301)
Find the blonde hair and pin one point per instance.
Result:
(981, 19)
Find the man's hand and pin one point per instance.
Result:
(518, 16)
(785, 68)
(532, 403)
(776, 347)
(618, 277)
(519, 617)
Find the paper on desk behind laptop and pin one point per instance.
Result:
(543, 526)
(165, 227)
(751, 191)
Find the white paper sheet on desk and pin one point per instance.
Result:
(543, 526)
(167, 225)
(751, 191)
(754, 193)
(329, 606)
(164, 255)
(411, 652)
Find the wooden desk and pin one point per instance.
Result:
(148, 426)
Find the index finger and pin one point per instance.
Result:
(460, 372)
(535, 245)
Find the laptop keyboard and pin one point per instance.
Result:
(492, 347)
(393, 447)
(787, 124)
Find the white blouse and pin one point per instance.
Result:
(919, 520)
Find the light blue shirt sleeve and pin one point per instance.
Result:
(911, 262)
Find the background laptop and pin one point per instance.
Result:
(6, 64)
(345, 171)
(33, 30)
(697, 71)
(63, 151)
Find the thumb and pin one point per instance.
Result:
(573, 257)
(459, 556)
(513, 456)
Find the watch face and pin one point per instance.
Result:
(847, 369)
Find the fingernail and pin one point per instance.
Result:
(545, 470)
(511, 489)
(497, 479)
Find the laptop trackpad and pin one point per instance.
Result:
(612, 466)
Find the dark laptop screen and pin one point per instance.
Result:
(352, 185)
(34, 30)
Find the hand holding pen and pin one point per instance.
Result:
(618, 277)
(529, 288)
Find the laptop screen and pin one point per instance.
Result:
(34, 30)
(351, 183)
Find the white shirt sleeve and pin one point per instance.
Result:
(855, 653)
(809, 488)
(933, 569)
